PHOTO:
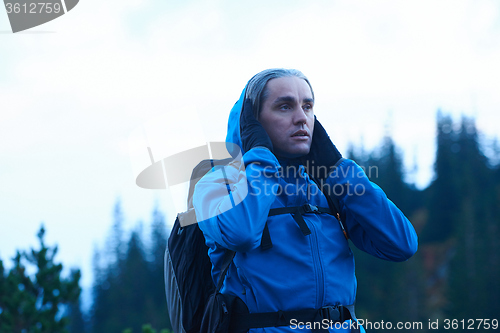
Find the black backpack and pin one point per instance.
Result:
(188, 281)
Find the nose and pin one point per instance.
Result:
(299, 116)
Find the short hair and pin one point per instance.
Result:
(256, 89)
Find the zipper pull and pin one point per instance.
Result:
(342, 226)
(224, 307)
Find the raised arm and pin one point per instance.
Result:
(232, 203)
(375, 225)
(373, 222)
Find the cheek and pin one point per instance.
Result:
(310, 123)
(276, 132)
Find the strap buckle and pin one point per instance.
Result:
(308, 208)
(331, 313)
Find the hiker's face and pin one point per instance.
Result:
(287, 116)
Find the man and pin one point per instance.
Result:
(278, 212)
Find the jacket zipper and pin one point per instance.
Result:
(318, 267)
(224, 307)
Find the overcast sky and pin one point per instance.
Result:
(74, 91)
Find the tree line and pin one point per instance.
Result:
(454, 274)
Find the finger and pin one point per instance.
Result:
(248, 109)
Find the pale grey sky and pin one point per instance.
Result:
(74, 90)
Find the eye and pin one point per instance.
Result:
(284, 107)
(307, 107)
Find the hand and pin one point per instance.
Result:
(251, 131)
(323, 154)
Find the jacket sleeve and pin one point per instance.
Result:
(232, 203)
(374, 223)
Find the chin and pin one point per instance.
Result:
(301, 151)
(295, 153)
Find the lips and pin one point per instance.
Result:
(300, 133)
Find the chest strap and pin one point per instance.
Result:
(296, 212)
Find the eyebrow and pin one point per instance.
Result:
(291, 99)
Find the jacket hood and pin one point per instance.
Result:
(233, 124)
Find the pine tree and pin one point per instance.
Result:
(443, 196)
(160, 316)
(130, 291)
(471, 272)
(108, 267)
(134, 286)
(37, 303)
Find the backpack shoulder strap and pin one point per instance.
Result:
(226, 262)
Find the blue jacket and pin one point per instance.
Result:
(299, 271)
